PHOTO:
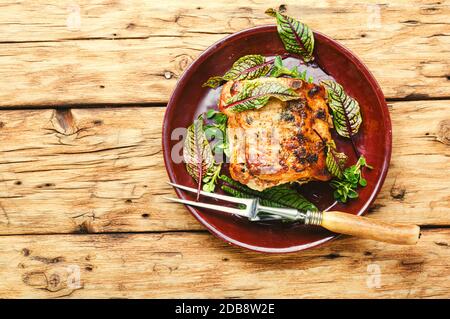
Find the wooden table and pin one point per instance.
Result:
(82, 95)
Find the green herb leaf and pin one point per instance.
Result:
(256, 93)
(213, 82)
(346, 185)
(346, 112)
(297, 37)
(211, 113)
(217, 130)
(220, 118)
(211, 178)
(278, 196)
(362, 182)
(279, 70)
(352, 194)
(212, 131)
(247, 67)
(197, 153)
(335, 161)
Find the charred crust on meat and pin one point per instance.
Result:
(283, 164)
(308, 107)
(242, 167)
(320, 144)
(287, 116)
(321, 115)
(312, 158)
(296, 105)
(301, 138)
(312, 92)
(300, 153)
(291, 144)
(296, 84)
(302, 113)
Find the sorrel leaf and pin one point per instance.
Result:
(346, 112)
(256, 93)
(247, 67)
(197, 153)
(335, 161)
(278, 69)
(296, 36)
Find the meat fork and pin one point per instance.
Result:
(338, 222)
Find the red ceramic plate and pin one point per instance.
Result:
(373, 140)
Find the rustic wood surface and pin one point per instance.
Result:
(101, 170)
(186, 264)
(49, 58)
(82, 97)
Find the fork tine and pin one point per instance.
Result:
(230, 210)
(246, 201)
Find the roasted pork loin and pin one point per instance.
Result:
(281, 142)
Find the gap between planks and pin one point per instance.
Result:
(180, 231)
(112, 38)
(201, 266)
(409, 59)
(412, 98)
(83, 106)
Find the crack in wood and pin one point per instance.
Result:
(442, 243)
(5, 214)
(47, 260)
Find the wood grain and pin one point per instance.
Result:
(101, 170)
(85, 171)
(121, 52)
(177, 265)
(81, 189)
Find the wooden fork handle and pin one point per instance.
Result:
(369, 228)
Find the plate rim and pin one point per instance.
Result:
(270, 28)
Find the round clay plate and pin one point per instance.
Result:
(373, 139)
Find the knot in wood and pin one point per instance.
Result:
(54, 282)
(63, 122)
(443, 133)
(182, 62)
(398, 192)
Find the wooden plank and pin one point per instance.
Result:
(101, 170)
(135, 52)
(100, 19)
(85, 170)
(197, 265)
(410, 192)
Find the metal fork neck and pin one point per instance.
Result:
(290, 214)
(313, 218)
